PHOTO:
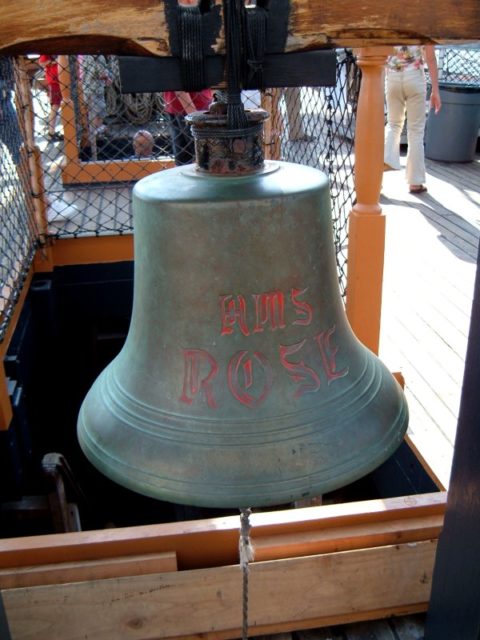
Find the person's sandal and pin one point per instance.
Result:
(417, 188)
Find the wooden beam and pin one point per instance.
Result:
(76, 172)
(84, 570)
(361, 536)
(208, 602)
(210, 542)
(138, 27)
(89, 250)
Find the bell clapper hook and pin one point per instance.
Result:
(246, 554)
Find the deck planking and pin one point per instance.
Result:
(430, 265)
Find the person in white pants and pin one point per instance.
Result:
(406, 92)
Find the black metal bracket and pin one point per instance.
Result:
(195, 66)
(303, 69)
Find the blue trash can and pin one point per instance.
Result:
(452, 134)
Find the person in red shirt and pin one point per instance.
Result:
(49, 63)
(177, 105)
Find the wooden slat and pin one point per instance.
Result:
(208, 542)
(139, 26)
(94, 250)
(289, 592)
(347, 538)
(111, 170)
(86, 570)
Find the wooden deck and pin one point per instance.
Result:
(430, 266)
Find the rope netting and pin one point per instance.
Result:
(459, 65)
(18, 233)
(92, 143)
(73, 145)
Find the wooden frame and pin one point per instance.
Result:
(134, 28)
(314, 566)
(76, 171)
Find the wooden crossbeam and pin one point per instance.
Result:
(139, 27)
(214, 542)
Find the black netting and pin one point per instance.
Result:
(93, 142)
(459, 65)
(315, 126)
(17, 228)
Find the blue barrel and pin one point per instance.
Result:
(452, 133)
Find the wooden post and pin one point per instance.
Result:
(366, 238)
(34, 159)
(67, 111)
(270, 100)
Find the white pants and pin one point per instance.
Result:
(406, 93)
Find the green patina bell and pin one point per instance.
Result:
(241, 383)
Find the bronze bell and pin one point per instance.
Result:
(241, 383)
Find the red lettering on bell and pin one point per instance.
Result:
(298, 371)
(194, 361)
(240, 377)
(232, 315)
(269, 308)
(328, 354)
(302, 309)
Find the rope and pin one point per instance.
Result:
(192, 58)
(137, 108)
(234, 11)
(255, 44)
(246, 556)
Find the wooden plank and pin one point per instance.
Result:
(280, 592)
(347, 538)
(138, 27)
(420, 443)
(112, 170)
(71, 251)
(86, 570)
(208, 542)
